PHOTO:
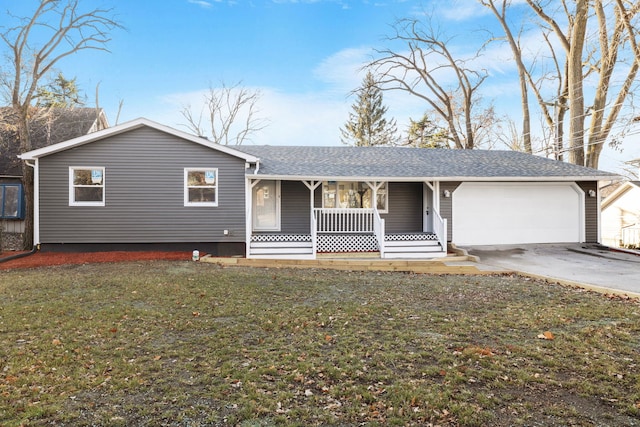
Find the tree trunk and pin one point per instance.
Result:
(575, 84)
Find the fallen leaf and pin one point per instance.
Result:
(547, 335)
(308, 392)
(56, 341)
(328, 338)
(157, 357)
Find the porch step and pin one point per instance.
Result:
(412, 248)
(281, 249)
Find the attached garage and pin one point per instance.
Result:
(491, 213)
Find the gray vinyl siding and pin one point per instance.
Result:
(294, 208)
(405, 208)
(446, 205)
(590, 211)
(144, 193)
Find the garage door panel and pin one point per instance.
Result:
(507, 213)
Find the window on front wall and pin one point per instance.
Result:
(11, 201)
(86, 186)
(200, 187)
(348, 194)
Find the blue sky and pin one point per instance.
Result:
(304, 56)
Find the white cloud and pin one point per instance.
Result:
(343, 70)
(202, 3)
(460, 10)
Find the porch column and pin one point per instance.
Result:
(249, 213)
(375, 186)
(312, 185)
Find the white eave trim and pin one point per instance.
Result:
(128, 126)
(617, 193)
(437, 178)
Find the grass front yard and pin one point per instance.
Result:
(178, 343)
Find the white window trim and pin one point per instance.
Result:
(278, 225)
(374, 193)
(72, 199)
(386, 198)
(187, 203)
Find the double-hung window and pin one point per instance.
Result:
(11, 201)
(201, 187)
(86, 186)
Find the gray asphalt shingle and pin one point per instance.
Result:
(401, 162)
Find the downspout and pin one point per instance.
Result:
(255, 172)
(36, 202)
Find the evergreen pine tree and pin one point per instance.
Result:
(424, 133)
(367, 125)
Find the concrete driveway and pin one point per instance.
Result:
(587, 264)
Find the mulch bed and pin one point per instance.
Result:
(43, 259)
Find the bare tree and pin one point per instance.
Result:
(604, 55)
(423, 70)
(65, 29)
(224, 108)
(500, 12)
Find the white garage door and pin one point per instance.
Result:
(514, 213)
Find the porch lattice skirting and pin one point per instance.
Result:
(281, 238)
(347, 243)
(400, 237)
(396, 245)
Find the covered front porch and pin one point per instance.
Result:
(302, 219)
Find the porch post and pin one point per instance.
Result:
(312, 185)
(249, 213)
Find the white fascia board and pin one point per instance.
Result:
(617, 193)
(431, 178)
(128, 126)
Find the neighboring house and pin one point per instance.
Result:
(142, 185)
(621, 216)
(50, 126)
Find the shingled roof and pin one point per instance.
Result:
(396, 163)
(61, 124)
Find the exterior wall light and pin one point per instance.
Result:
(592, 193)
(446, 193)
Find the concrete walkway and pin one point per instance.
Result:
(581, 264)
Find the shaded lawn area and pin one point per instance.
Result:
(177, 343)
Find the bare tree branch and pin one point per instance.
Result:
(225, 107)
(66, 30)
(422, 71)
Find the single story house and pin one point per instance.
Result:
(48, 126)
(142, 184)
(621, 216)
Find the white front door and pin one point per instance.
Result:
(266, 206)
(427, 208)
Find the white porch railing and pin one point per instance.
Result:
(344, 220)
(378, 230)
(440, 229)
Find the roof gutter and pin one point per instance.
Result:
(441, 178)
